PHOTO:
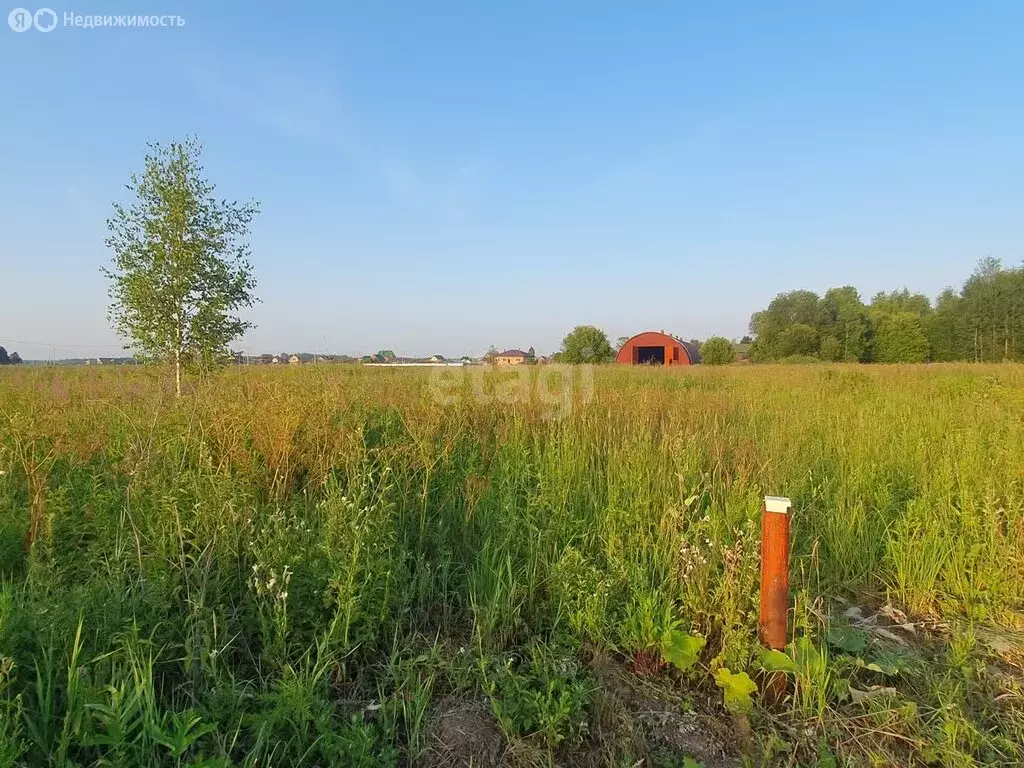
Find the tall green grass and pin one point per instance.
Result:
(288, 566)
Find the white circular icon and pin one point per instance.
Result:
(45, 19)
(20, 20)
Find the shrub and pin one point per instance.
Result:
(717, 351)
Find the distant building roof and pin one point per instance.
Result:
(512, 353)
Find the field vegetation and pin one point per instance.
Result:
(332, 565)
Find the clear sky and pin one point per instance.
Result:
(437, 177)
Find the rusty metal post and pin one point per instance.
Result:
(774, 589)
(774, 571)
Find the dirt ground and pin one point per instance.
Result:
(630, 718)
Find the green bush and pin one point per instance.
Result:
(586, 344)
(717, 351)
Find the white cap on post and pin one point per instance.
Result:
(777, 504)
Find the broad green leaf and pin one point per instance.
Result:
(680, 649)
(846, 638)
(811, 661)
(897, 662)
(737, 690)
(777, 661)
(882, 669)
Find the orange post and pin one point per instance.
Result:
(774, 571)
(774, 589)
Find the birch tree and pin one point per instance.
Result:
(180, 271)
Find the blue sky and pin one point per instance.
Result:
(443, 176)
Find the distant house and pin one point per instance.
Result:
(510, 357)
(294, 360)
(275, 360)
(438, 359)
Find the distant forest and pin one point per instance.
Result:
(983, 321)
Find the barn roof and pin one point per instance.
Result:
(692, 350)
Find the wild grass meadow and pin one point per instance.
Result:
(343, 566)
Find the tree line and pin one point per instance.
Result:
(12, 359)
(983, 321)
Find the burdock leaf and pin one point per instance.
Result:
(681, 649)
(737, 690)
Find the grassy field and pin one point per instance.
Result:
(345, 566)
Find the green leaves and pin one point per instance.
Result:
(777, 661)
(846, 638)
(900, 337)
(185, 729)
(737, 690)
(681, 649)
(587, 344)
(545, 695)
(717, 350)
(873, 666)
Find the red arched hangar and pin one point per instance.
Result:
(654, 348)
